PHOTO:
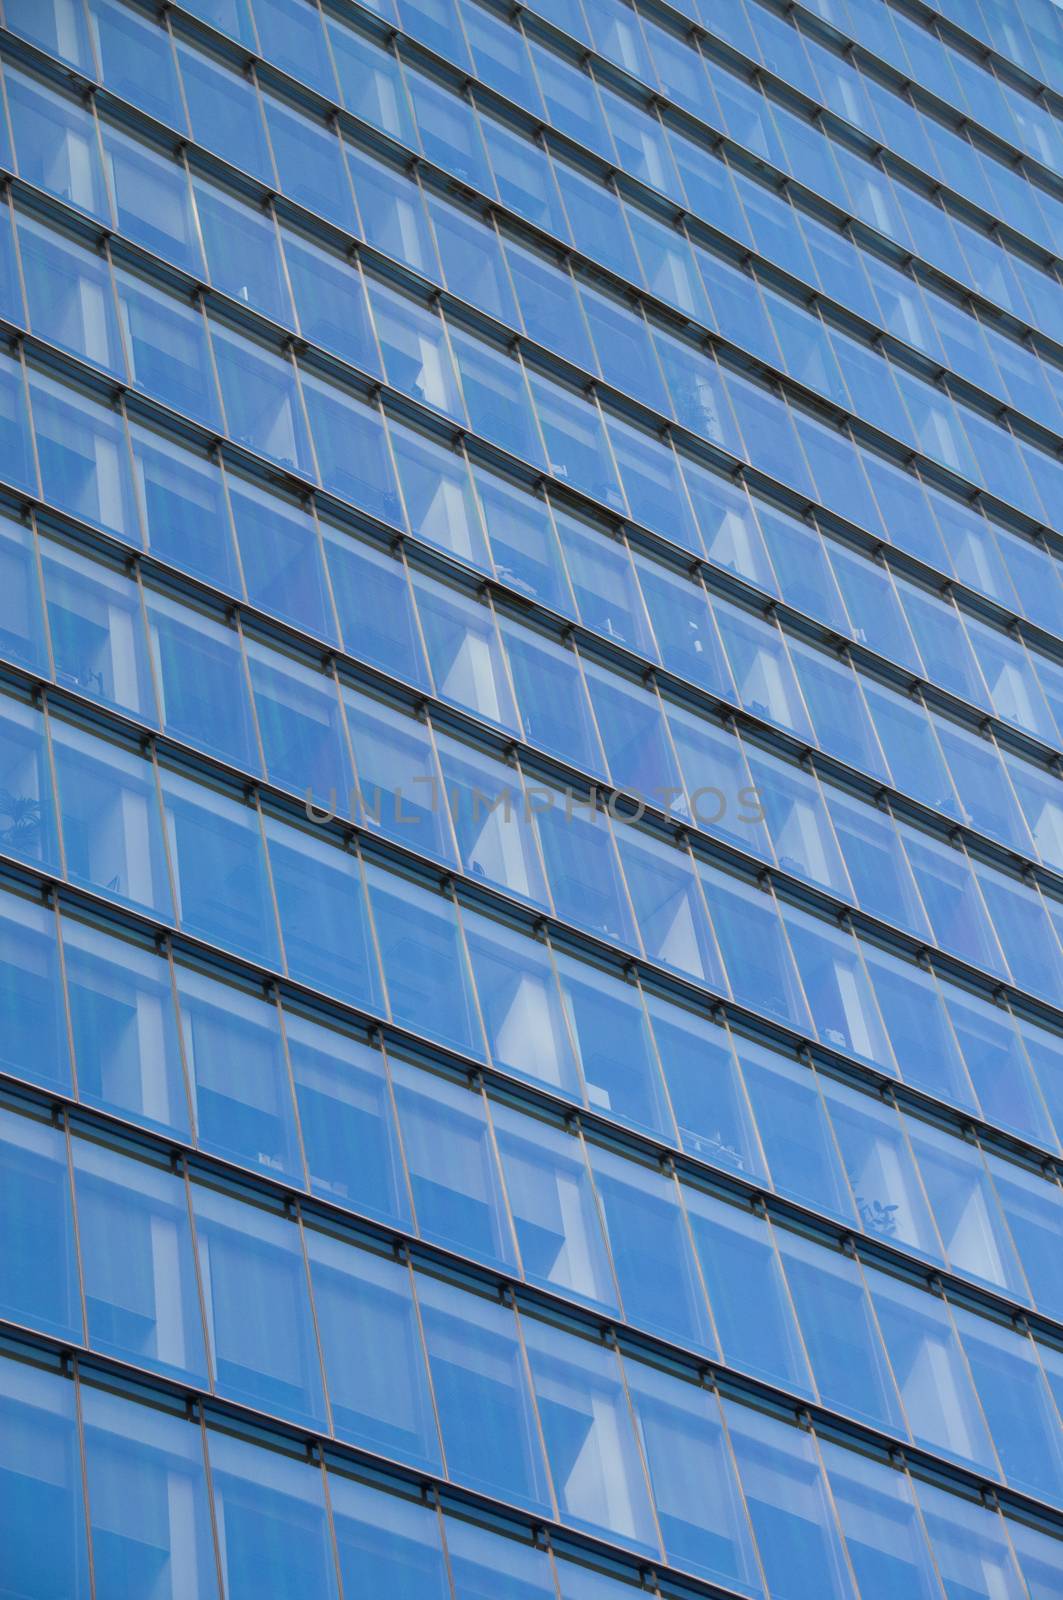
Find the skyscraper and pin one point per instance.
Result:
(531, 800)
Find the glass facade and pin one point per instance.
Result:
(531, 799)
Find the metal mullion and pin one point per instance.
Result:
(295, 1214)
(901, 826)
(609, 1338)
(16, 348)
(273, 998)
(432, 1495)
(488, 602)
(508, 1299)
(888, 1095)
(217, 457)
(542, 938)
(828, 1487)
(316, 1457)
(16, 241)
(353, 848)
(710, 1384)
(198, 1420)
(476, 1084)
(374, 402)
(245, 669)
(668, 1170)
(204, 1294)
(398, 553)
(251, 75)
(31, 525)
(975, 1392)
(533, 828)
(83, 1470)
(378, 1042)
(40, 702)
(449, 890)
(61, 1121)
(164, 946)
(165, 22)
(354, 807)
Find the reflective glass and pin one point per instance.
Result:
(138, 1263)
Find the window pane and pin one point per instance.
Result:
(554, 1207)
(124, 1028)
(457, 1189)
(136, 1254)
(381, 1399)
(262, 1342)
(347, 1123)
(490, 1430)
(148, 1506)
(42, 1505)
(38, 1267)
(273, 1531)
(587, 1425)
(238, 1074)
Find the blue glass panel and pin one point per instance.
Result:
(886, 1541)
(225, 112)
(137, 62)
(659, 1280)
(488, 1420)
(112, 830)
(261, 398)
(330, 301)
(99, 643)
(202, 681)
(425, 966)
(243, 252)
(793, 1124)
(21, 611)
(293, 33)
(238, 1075)
(300, 722)
(554, 1209)
(166, 346)
(310, 163)
(281, 558)
(382, 1401)
(27, 802)
(352, 454)
(148, 1507)
(124, 1029)
(137, 1261)
(840, 1332)
(386, 1545)
(152, 198)
(69, 295)
(748, 1292)
(521, 1005)
(597, 1470)
(257, 1300)
(790, 1507)
(273, 1526)
(346, 1120)
(55, 142)
(323, 914)
(39, 1271)
(706, 1089)
(42, 1520)
(34, 1042)
(375, 606)
(450, 1152)
(615, 1046)
(219, 867)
